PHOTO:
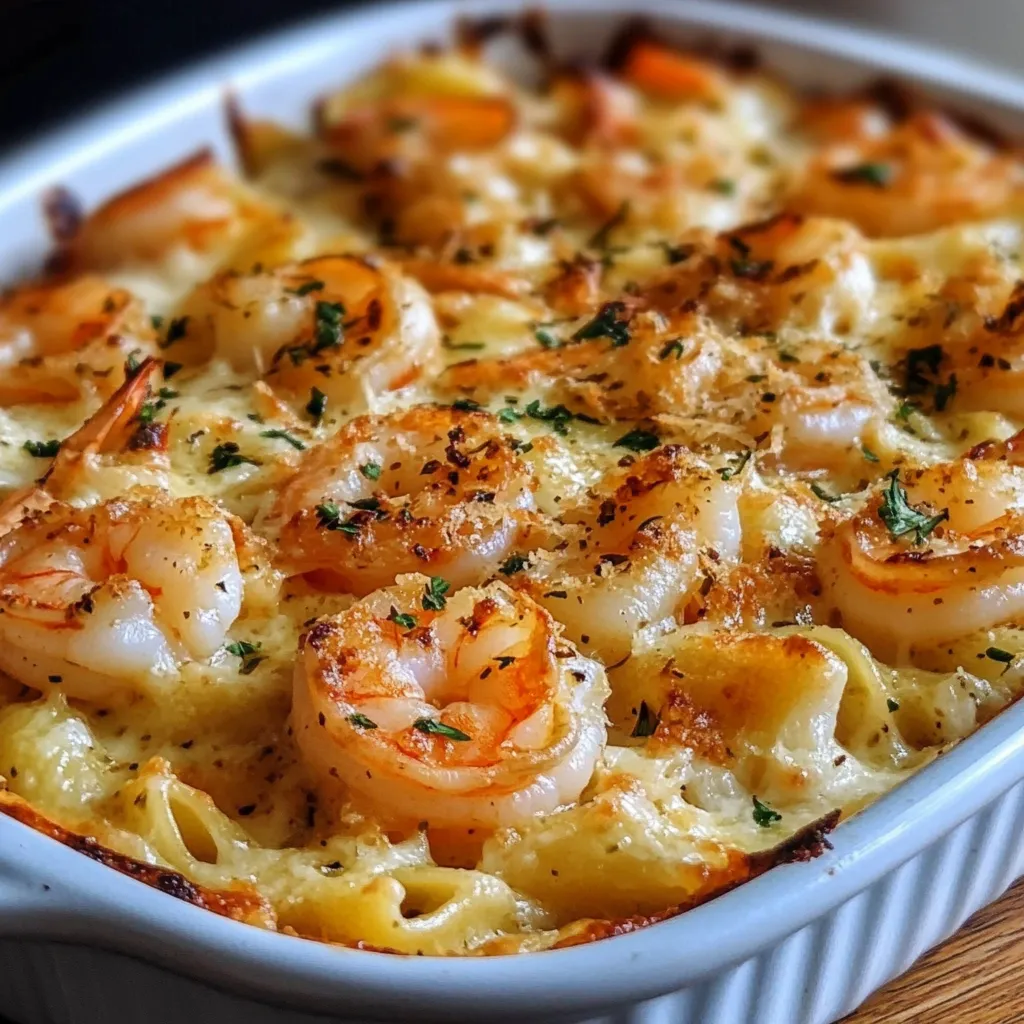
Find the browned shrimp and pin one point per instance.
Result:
(64, 341)
(664, 367)
(429, 488)
(921, 175)
(354, 329)
(469, 713)
(936, 554)
(633, 554)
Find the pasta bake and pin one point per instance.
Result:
(520, 509)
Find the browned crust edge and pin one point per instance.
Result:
(804, 845)
(240, 903)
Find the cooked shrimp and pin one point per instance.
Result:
(919, 176)
(468, 714)
(194, 207)
(429, 487)
(983, 371)
(938, 554)
(61, 342)
(634, 557)
(669, 75)
(355, 330)
(108, 601)
(662, 369)
(112, 452)
(419, 128)
(789, 270)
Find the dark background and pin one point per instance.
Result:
(58, 56)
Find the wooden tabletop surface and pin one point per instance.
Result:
(977, 977)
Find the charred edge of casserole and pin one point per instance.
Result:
(734, 57)
(241, 904)
(901, 100)
(804, 845)
(530, 25)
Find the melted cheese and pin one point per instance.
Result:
(600, 265)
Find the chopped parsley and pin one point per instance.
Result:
(672, 348)
(546, 338)
(433, 594)
(868, 454)
(723, 186)
(513, 564)
(360, 721)
(316, 405)
(170, 369)
(327, 325)
(401, 619)
(328, 517)
(998, 654)
(905, 410)
(371, 470)
(892, 704)
(226, 455)
(436, 728)
(764, 816)
(42, 449)
(248, 652)
(148, 411)
(901, 518)
(284, 435)
(366, 504)
(509, 415)
(132, 363)
(557, 415)
(465, 405)
(875, 174)
(305, 288)
(638, 441)
(728, 472)
(607, 324)
(646, 722)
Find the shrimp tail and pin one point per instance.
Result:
(109, 428)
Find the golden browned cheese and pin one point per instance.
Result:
(515, 513)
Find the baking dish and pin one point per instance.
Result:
(803, 943)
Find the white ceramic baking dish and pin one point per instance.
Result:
(803, 944)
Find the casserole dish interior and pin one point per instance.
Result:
(275, 79)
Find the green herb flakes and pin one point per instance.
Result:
(436, 728)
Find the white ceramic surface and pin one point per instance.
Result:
(803, 944)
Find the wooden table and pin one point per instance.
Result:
(977, 977)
